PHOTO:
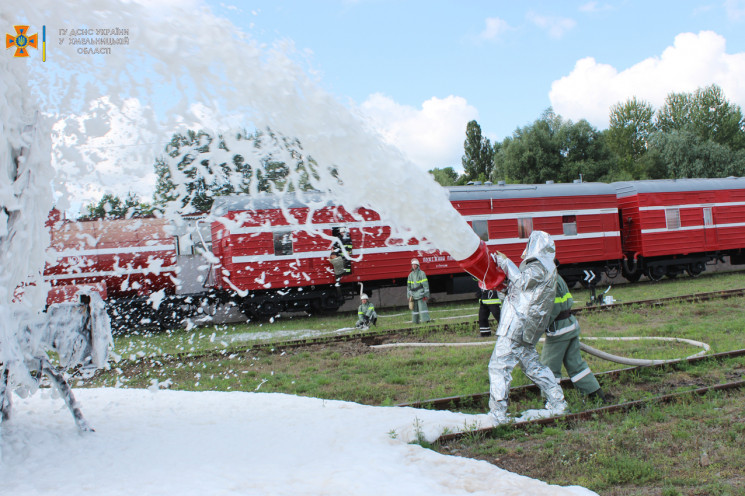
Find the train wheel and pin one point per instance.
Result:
(267, 310)
(248, 311)
(656, 272)
(695, 269)
(632, 276)
(326, 304)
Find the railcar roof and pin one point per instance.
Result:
(630, 188)
(233, 203)
(510, 191)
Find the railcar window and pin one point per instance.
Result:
(524, 227)
(570, 224)
(672, 218)
(708, 217)
(283, 243)
(481, 228)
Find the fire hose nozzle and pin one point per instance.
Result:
(481, 266)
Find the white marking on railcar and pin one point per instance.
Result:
(108, 273)
(378, 223)
(692, 228)
(245, 259)
(695, 205)
(112, 251)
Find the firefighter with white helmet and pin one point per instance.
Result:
(526, 312)
(366, 313)
(417, 291)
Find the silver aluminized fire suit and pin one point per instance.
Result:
(525, 315)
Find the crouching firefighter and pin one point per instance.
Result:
(366, 315)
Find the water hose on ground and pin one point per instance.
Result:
(589, 349)
(635, 361)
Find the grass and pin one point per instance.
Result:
(352, 371)
(691, 446)
(665, 449)
(230, 337)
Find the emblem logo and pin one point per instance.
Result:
(21, 41)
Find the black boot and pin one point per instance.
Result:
(605, 398)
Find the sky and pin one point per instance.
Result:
(161, 442)
(417, 71)
(422, 69)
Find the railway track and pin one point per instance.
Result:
(593, 413)
(380, 336)
(714, 295)
(456, 402)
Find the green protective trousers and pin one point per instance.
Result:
(420, 311)
(558, 352)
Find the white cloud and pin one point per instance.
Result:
(735, 9)
(230, 7)
(556, 27)
(494, 28)
(431, 136)
(694, 60)
(592, 7)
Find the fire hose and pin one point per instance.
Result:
(589, 349)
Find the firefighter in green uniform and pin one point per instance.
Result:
(417, 290)
(562, 345)
(366, 315)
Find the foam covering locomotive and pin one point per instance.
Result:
(267, 254)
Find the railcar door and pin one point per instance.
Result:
(343, 246)
(194, 268)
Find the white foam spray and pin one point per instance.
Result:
(81, 119)
(187, 68)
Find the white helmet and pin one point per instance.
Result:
(414, 261)
(363, 296)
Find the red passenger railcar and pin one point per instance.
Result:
(671, 226)
(273, 250)
(582, 219)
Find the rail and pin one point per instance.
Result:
(593, 413)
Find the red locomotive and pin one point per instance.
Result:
(268, 254)
(129, 262)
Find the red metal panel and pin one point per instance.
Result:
(657, 239)
(131, 256)
(69, 292)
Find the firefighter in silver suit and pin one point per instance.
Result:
(525, 315)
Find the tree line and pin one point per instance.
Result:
(196, 167)
(697, 134)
